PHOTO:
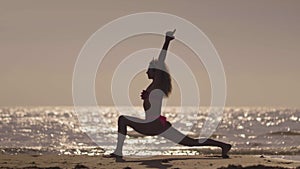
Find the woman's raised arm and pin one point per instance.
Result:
(163, 53)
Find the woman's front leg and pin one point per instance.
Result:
(123, 122)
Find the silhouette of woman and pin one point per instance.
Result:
(154, 123)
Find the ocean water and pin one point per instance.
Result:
(251, 130)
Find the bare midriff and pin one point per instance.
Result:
(146, 104)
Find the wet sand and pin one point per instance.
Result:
(179, 162)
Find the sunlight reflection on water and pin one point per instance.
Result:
(250, 130)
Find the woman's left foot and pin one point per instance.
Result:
(119, 158)
(225, 150)
(113, 155)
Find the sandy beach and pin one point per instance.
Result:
(174, 162)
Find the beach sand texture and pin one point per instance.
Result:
(174, 162)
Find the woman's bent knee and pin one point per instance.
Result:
(121, 118)
(123, 121)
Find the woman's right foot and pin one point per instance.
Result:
(225, 150)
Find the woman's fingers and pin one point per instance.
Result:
(171, 33)
(144, 94)
(174, 31)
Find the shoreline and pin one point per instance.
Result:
(161, 161)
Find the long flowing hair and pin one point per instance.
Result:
(163, 75)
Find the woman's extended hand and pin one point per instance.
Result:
(170, 35)
(144, 95)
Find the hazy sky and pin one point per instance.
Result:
(258, 42)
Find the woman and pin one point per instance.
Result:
(154, 123)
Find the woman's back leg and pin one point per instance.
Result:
(178, 137)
